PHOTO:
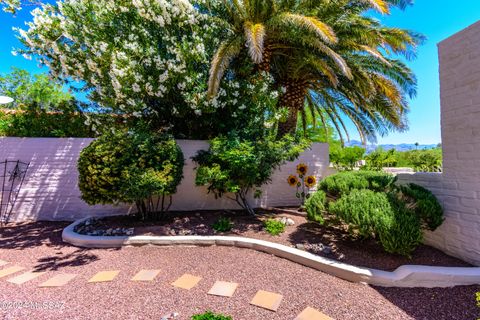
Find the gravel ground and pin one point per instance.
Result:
(38, 246)
(367, 253)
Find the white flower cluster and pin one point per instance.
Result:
(136, 56)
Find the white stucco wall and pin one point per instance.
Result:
(50, 190)
(458, 187)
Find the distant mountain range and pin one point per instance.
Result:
(398, 147)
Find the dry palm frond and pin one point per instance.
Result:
(379, 5)
(220, 63)
(255, 36)
(375, 53)
(339, 61)
(313, 24)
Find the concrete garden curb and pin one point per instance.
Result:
(405, 276)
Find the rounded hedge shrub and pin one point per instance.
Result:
(373, 206)
(424, 204)
(131, 167)
(402, 234)
(363, 210)
(315, 206)
(344, 182)
(382, 216)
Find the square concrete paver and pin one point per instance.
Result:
(223, 289)
(312, 314)
(267, 300)
(187, 281)
(2, 263)
(146, 275)
(27, 276)
(10, 270)
(59, 280)
(104, 276)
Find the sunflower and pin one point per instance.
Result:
(302, 169)
(292, 181)
(310, 181)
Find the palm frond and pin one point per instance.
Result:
(255, 37)
(312, 24)
(220, 63)
(337, 58)
(379, 5)
(375, 53)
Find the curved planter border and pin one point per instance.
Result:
(404, 276)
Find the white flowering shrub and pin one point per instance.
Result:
(147, 59)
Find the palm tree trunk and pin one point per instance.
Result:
(265, 65)
(293, 99)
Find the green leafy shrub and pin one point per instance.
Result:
(402, 232)
(363, 211)
(425, 160)
(315, 206)
(234, 165)
(380, 158)
(344, 182)
(274, 227)
(382, 216)
(43, 124)
(346, 158)
(131, 167)
(210, 316)
(424, 204)
(223, 225)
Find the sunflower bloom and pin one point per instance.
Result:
(302, 169)
(292, 181)
(310, 181)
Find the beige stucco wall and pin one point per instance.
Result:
(458, 187)
(50, 190)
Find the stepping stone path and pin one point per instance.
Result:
(267, 300)
(10, 270)
(58, 280)
(146, 275)
(104, 276)
(27, 276)
(187, 281)
(312, 314)
(223, 289)
(263, 299)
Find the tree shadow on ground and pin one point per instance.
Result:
(48, 234)
(77, 258)
(32, 234)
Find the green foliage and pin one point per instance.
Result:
(373, 206)
(346, 158)
(372, 214)
(419, 160)
(315, 206)
(380, 158)
(234, 165)
(33, 92)
(425, 160)
(343, 182)
(402, 232)
(210, 316)
(424, 204)
(131, 167)
(44, 124)
(223, 224)
(274, 227)
(363, 210)
(150, 60)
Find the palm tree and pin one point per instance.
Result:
(325, 55)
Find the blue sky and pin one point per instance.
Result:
(435, 19)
